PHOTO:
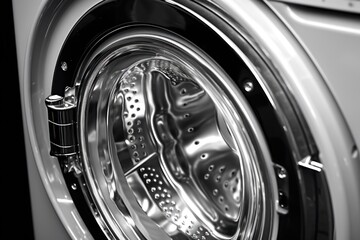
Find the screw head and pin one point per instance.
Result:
(64, 66)
(248, 86)
(282, 173)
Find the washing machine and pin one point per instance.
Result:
(175, 119)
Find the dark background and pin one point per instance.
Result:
(15, 199)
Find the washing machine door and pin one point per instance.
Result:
(170, 120)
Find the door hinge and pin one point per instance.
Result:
(62, 126)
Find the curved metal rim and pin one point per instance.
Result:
(222, 102)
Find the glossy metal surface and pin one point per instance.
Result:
(62, 125)
(265, 33)
(162, 140)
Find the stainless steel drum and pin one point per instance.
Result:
(169, 147)
(176, 119)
